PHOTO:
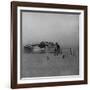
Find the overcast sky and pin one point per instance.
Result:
(61, 28)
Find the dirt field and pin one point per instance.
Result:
(46, 64)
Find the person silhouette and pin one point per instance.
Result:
(57, 49)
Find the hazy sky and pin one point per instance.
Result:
(62, 28)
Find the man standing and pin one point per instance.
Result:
(57, 49)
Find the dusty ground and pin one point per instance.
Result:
(42, 65)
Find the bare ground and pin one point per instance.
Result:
(43, 65)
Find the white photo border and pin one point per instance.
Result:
(81, 49)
